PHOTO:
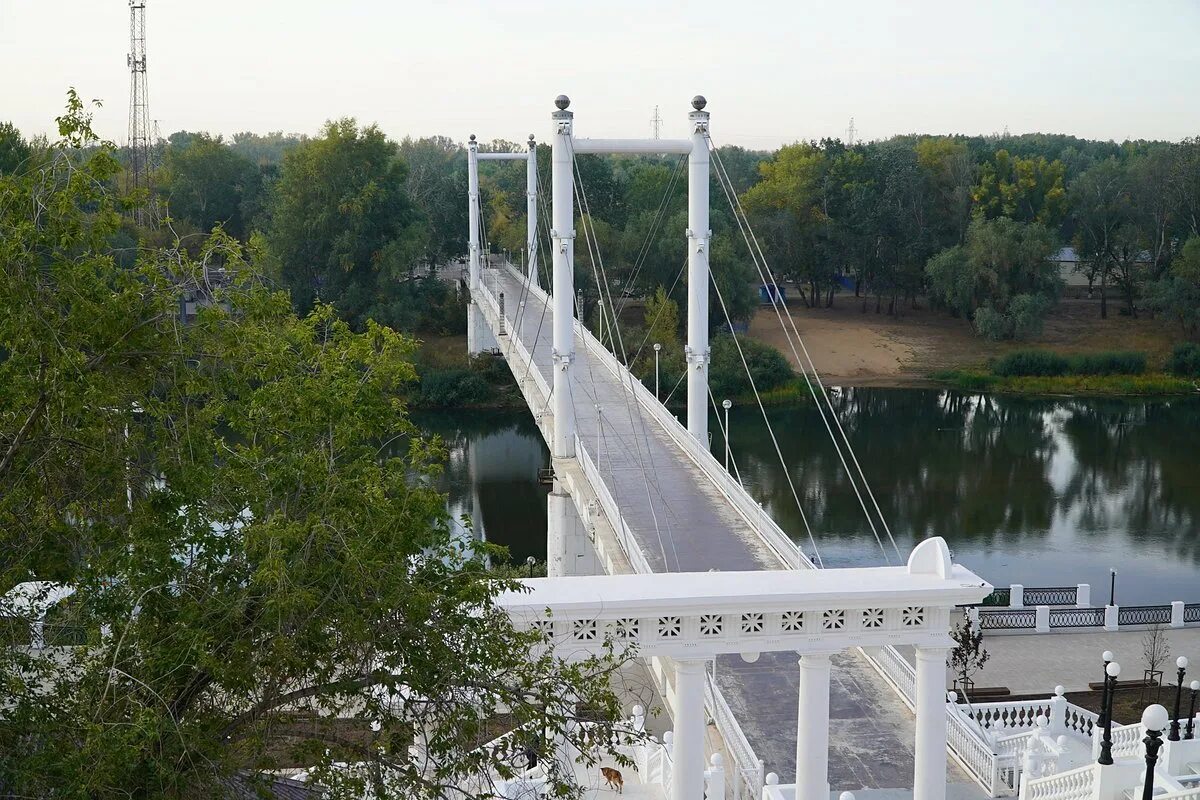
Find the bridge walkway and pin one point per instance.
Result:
(682, 521)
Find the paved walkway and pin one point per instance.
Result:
(682, 523)
(1035, 663)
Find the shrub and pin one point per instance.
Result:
(1109, 363)
(1184, 360)
(727, 374)
(454, 387)
(991, 324)
(1031, 362)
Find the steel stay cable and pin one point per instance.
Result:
(650, 479)
(770, 430)
(650, 483)
(756, 254)
(812, 390)
(656, 223)
(804, 347)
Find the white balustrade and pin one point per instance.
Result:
(1076, 784)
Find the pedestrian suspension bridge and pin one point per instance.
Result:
(652, 541)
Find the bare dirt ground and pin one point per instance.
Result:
(853, 348)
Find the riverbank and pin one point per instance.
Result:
(922, 348)
(1147, 385)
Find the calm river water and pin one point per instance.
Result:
(1036, 491)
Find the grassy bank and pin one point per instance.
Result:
(1148, 384)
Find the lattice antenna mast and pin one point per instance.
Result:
(656, 123)
(137, 176)
(850, 131)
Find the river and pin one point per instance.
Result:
(1038, 491)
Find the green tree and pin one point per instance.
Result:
(343, 229)
(1177, 294)
(1001, 278)
(1024, 189)
(14, 150)
(259, 581)
(209, 184)
(1101, 202)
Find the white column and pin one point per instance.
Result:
(812, 729)
(531, 190)
(697, 304)
(558, 533)
(687, 769)
(473, 317)
(562, 234)
(929, 767)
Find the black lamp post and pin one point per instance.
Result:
(530, 562)
(1112, 586)
(1191, 726)
(1181, 663)
(1110, 681)
(1154, 718)
(1107, 657)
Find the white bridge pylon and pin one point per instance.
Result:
(473, 211)
(564, 147)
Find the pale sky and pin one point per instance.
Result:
(773, 72)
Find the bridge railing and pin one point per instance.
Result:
(636, 557)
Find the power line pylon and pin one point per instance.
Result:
(138, 171)
(850, 133)
(656, 123)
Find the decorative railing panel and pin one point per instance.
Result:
(1080, 720)
(1009, 717)
(1144, 615)
(1074, 784)
(972, 751)
(1191, 612)
(1009, 619)
(1076, 617)
(1051, 596)
(1127, 740)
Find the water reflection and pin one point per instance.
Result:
(490, 477)
(1025, 490)
(1036, 491)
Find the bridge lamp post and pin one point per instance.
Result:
(1194, 687)
(1181, 663)
(657, 348)
(725, 404)
(1110, 680)
(1154, 718)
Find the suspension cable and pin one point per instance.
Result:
(818, 392)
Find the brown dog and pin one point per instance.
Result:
(613, 778)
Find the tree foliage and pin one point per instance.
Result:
(343, 228)
(260, 582)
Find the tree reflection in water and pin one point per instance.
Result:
(1042, 492)
(1034, 491)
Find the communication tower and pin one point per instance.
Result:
(138, 170)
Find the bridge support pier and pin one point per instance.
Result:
(687, 770)
(812, 728)
(929, 766)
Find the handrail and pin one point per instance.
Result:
(634, 552)
(749, 778)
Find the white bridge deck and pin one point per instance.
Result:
(683, 520)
